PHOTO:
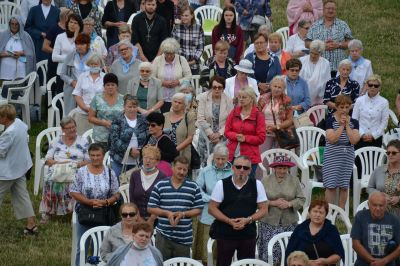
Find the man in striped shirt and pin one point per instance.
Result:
(175, 201)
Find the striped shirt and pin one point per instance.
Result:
(185, 198)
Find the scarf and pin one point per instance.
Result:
(81, 62)
(125, 65)
(357, 63)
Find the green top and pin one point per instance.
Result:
(142, 96)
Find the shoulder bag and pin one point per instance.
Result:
(63, 172)
(125, 175)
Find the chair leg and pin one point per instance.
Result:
(50, 117)
(26, 116)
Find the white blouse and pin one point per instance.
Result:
(62, 47)
(87, 88)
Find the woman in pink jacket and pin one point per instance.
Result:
(245, 129)
(302, 10)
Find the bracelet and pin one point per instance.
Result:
(250, 219)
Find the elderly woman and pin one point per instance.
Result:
(298, 258)
(316, 71)
(104, 108)
(297, 87)
(143, 180)
(361, 67)
(95, 185)
(317, 237)
(87, 8)
(300, 10)
(89, 84)
(97, 44)
(386, 178)
(285, 198)
(74, 65)
(241, 80)
(341, 136)
(263, 29)
(126, 67)
(219, 169)
(295, 45)
(218, 65)
(121, 233)
(275, 47)
(372, 112)
(245, 128)
(341, 85)
(70, 149)
(172, 69)
(265, 65)
(125, 33)
(190, 36)
(214, 108)
(128, 131)
(278, 112)
(228, 30)
(147, 89)
(190, 94)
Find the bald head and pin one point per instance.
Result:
(377, 204)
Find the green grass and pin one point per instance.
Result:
(373, 22)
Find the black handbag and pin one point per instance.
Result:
(286, 138)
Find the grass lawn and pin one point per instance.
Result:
(373, 22)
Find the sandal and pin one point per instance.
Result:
(31, 231)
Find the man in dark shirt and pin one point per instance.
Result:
(148, 31)
(165, 8)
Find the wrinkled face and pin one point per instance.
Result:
(130, 108)
(142, 238)
(178, 105)
(169, 57)
(317, 215)
(228, 17)
(150, 7)
(180, 170)
(125, 36)
(293, 72)
(186, 18)
(314, 56)
(345, 71)
(329, 10)
(145, 72)
(221, 55)
(129, 215)
(281, 171)
(217, 89)
(260, 45)
(220, 160)
(69, 130)
(277, 88)
(14, 26)
(393, 154)
(355, 53)
(274, 45)
(96, 157)
(343, 109)
(88, 28)
(377, 206)
(125, 51)
(149, 160)
(241, 168)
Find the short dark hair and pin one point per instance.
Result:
(293, 62)
(260, 34)
(96, 147)
(319, 202)
(78, 19)
(218, 79)
(156, 117)
(142, 226)
(181, 159)
(110, 78)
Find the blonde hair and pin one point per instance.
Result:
(374, 77)
(276, 36)
(279, 78)
(300, 255)
(153, 150)
(250, 92)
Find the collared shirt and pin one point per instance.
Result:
(361, 70)
(295, 44)
(333, 89)
(338, 32)
(372, 114)
(297, 90)
(87, 88)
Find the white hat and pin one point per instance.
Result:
(245, 66)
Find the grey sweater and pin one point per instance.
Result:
(111, 242)
(121, 252)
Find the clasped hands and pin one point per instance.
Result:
(175, 217)
(238, 223)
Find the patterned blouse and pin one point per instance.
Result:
(333, 89)
(392, 188)
(95, 14)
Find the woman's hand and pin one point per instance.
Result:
(245, 12)
(343, 120)
(73, 84)
(214, 137)
(318, 262)
(135, 153)
(96, 203)
(271, 128)
(240, 137)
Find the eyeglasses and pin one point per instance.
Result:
(374, 85)
(69, 128)
(392, 152)
(145, 71)
(242, 166)
(153, 125)
(126, 214)
(123, 49)
(218, 88)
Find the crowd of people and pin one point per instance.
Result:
(192, 158)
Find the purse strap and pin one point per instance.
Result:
(109, 182)
(273, 113)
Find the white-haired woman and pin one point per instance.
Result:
(147, 90)
(342, 84)
(172, 69)
(126, 66)
(180, 124)
(190, 95)
(88, 85)
(316, 71)
(97, 44)
(362, 67)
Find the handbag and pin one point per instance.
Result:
(258, 20)
(63, 172)
(286, 138)
(125, 176)
(302, 120)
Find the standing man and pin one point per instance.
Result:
(166, 8)
(175, 201)
(148, 31)
(334, 32)
(234, 204)
(376, 234)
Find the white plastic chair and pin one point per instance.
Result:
(131, 18)
(250, 262)
(334, 213)
(88, 135)
(41, 67)
(50, 134)
(107, 159)
(207, 13)
(282, 239)
(390, 135)
(124, 190)
(285, 36)
(96, 234)
(317, 113)
(362, 206)
(195, 82)
(371, 158)
(181, 261)
(207, 53)
(309, 159)
(394, 118)
(309, 138)
(7, 10)
(349, 254)
(60, 99)
(50, 111)
(73, 242)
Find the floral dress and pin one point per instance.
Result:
(392, 188)
(56, 198)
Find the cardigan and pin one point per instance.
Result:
(112, 240)
(124, 78)
(154, 90)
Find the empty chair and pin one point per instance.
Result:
(309, 138)
(207, 53)
(41, 81)
(250, 262)
(58, 101)
(181, 261)
(7, 10)
(349, 254)
(88, 135)
(362, 206)
(285, 36)
(317, 113)
(208, 16)
(124, 190)
(313, 160)
(50, 110)
(96, 234)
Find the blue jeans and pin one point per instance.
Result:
(80, 230)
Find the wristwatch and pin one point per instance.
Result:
(250, 219)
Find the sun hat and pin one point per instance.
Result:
(281, 160)
(245, 66)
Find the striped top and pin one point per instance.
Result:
(331, 123)
(185, 198)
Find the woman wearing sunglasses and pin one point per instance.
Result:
(386, 178)
(121, 233)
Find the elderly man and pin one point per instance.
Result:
(376, 234)
(334, 32)
(234, 204)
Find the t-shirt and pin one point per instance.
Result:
(374, 234)
(136, 257)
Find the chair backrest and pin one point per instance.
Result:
(207, 53)
(370, 158)
(349, 254)
(250, 262)
(41, 81)
(97, 235)
(50, 83)
(392, 134)
(285, 36)
(268, 157)
(124, 190)
(107, 159)
(394, 118)
(88, 135)
(181, 261)
(59, 98)
(362, 206)
(282, 240)
(195, 82)
(131, 18)
(31, 78)
(317, 113)
(309, 138)
(207, 12)
(7, 10)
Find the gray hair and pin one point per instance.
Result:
(186, 85)
(95, 58)
(303, 22)
(170, 45)
(280, 78)
(67, 120)
(179, 96)
(244, 157)
(345, 62)
(355, 44)
(88, 20)
(266, 29)
(125, 42)
(317, 45)
(146, 65)
(221, 149)
(376, 193)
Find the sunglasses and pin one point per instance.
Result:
(218, 88)
(392, 152)
(126, 214)
(374, 85)
(242, 166)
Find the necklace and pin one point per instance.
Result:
(149, 27)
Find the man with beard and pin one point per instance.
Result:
(148, 31)
(175, 201)
(234, 203)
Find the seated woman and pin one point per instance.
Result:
(127, 65)
(190, 95)
(341, 85)
(275, 47)
(147, 89)
(298, 258)
(68, 148)
(317, 237)
(263, 29)
(128, 131)
(218, 65)
(139, 251)
(241, 80)
(97, 44)
(228, 31)
(361, 67)
(297, 87)
(178, 70)
(386, 178)
(88, 85)
(143, 180)
(121, 233)
(316, 71)
(295, 45)
(298, 10)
